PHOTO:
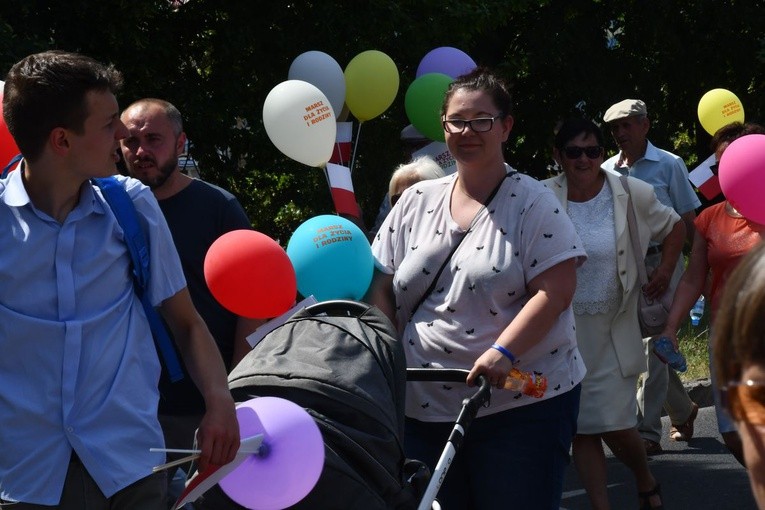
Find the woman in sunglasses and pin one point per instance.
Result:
(477, 269)
(739, 359)
(605, 303)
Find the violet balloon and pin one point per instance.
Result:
(446, 60)
(292, 458)
(742, 176)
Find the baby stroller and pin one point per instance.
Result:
(342, 362)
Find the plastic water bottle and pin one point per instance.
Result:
(665, 351)
(697, 311)
(528, 383)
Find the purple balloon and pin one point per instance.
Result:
(292, 460)
(446, 60)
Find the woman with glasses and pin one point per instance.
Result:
(605, 303)
(739, 360)
(723, 237)
(477, 270)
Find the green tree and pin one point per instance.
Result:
(217, 61)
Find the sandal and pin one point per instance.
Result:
(645, 499)
(684, 432)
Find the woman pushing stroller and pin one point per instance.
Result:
(478, 270)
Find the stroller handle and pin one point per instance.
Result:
(479, 398)
(339, 308)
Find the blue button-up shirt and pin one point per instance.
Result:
(78, 367)
(667, 174)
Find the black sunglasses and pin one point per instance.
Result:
(574, 152)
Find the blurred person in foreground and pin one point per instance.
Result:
(606, 302)
(502, 300)
(723, 237)
(739, 360)
(78, 351)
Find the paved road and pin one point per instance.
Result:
(699, 475)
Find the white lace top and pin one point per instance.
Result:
(598, 289)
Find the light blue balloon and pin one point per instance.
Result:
(332, 258)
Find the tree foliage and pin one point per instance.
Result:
(217, 61)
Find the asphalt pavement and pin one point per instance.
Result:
(697, 475)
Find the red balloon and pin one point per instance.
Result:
(250, 274)
(8, 148)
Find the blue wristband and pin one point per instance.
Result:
(508, 354)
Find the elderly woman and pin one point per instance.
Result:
(419, 169)
(739, 359)
(478, 269)
(606, 300)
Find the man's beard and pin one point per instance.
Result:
(165, 171)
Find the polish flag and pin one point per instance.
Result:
(341, 154)
(704, 177)
(340, 184)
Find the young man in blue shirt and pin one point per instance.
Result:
(79, 367)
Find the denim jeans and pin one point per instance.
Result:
(515, 458)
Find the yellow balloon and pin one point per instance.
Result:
(718, 108)
(371, 84)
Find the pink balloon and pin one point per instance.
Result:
(742, 176)
(446, 60)
(293, 455)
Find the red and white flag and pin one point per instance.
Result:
(340, 184)
(704, 177)
(341, 154)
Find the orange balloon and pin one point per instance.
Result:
(250, 274)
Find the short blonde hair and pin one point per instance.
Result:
(419, 169)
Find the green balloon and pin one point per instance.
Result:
(423, 104)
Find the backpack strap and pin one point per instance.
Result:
(124, 210)
(10, 166)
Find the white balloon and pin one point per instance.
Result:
(300, 122)
(323, 71)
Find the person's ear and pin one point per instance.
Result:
(507, 126)
(58, 139)
(180, 144)
(557, 157)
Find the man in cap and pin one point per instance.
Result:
(638, 157)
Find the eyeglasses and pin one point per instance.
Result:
(744, 401)
(480, 125)
(574, 152)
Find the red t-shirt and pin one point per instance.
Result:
(728, 238)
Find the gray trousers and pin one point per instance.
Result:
(661, 387)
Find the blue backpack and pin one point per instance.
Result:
(135, 238)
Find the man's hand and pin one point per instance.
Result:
(218, 434)
(658, 282)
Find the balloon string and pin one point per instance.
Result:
(355, 145)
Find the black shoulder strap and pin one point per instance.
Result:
(433, 283)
